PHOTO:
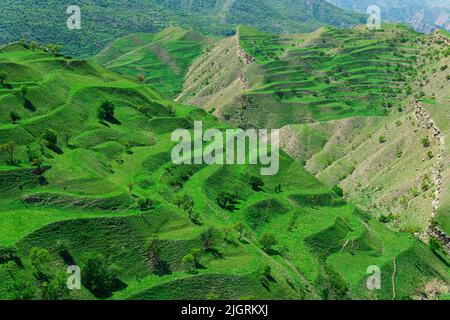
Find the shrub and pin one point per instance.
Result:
(338, 190)
(381, 139)
(50, 137)
(105, 110)
(97, 275)
(7, 253)
(425, 142)
(226, 199)
(9, 147)
(267, 241)
(256, 183)
(146, 204)
(14, 117)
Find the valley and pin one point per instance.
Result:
(87, 178)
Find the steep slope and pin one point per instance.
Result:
(109, 187)
(102, 24)
(325, 75)
(344, 101)
(402, 176)
(162, 58)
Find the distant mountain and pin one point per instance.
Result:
(105, 21)
(423, 15)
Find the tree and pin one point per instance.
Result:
(40, 259)
(97, 275)
(56, 288)
(188, 262)
(154, 255)
(256, 183)
(50, 137)
(267, 241)
(226, 198)
(105, 110)
(146, 204)
(140, 77)
(7, 253)
(186, 203)
(9, 147)
(3, 76)
(240, 228)
(338, 190)
(20, 290)
(14, 116)
(24, 90)
(191, 260)
(207, 238)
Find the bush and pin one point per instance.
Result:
(267, 241)
(14, 117)
(105, 110)
(50, 137)
(97, 275)
(7, 253)
(146, 204)
(226, 200)
(256, 183)
(425, 142)
(381, 139)
(338, 190)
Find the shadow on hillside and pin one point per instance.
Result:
(56, 149)
(108, 121)
(29, 105)
(116, 286)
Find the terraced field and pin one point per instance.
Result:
(107, 186)
(162, 59)
(329, 74)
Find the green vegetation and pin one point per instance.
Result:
(102, 24)
(86, 178)
(161, 59)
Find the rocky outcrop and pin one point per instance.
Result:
(441, 37)
(244, 56)
(427, 122)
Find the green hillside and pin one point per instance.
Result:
(76, 184)
(104, 22)
(325, 75)
(162, 58)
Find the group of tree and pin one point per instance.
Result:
(98, 275)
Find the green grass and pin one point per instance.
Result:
(326, 75)
(162, 58)
(88, 197)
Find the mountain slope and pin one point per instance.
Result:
(345, 102)
(102, 24)
(109, 187)
(162, 58)
(423, 15)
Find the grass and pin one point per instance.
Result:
(88, 197)
(162, 58)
